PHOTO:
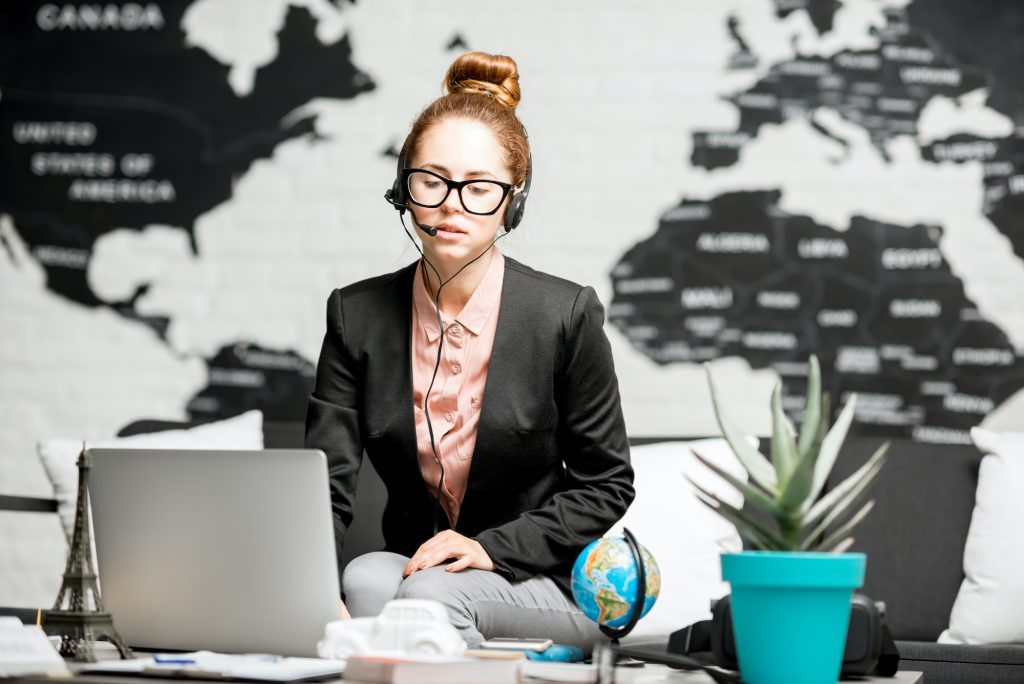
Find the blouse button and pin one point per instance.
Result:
(456, 329)
(456, 368)
(450, 417)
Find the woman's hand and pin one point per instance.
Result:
(343, 611)
(448, 544)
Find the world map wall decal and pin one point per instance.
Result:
(737, 275)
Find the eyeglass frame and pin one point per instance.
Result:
(506, 188)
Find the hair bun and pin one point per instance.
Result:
(479, 72)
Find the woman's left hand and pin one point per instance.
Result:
(448, 544)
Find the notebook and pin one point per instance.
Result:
(228, 551)
(425, 669)
(207, 665)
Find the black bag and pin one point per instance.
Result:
(870, 649)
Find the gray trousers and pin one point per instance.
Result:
(480, 604)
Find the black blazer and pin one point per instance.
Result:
(550, 469)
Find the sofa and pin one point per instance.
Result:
(914, 540)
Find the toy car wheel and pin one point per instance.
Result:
(428, 645)
(339, 644)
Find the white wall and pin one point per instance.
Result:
(612, 92)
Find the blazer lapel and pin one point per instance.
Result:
(395, 383)
(489, 454)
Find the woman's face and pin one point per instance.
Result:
(459, 149)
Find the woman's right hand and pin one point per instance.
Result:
(343, 611)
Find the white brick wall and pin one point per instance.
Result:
(611, 94)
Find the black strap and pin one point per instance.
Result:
(695, 638)
(678, 661)
(889, 659)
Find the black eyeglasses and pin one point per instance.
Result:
(428, 189)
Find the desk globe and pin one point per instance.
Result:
(609, 583)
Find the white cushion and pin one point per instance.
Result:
(60, 456)
(685, 537)
(990, 603)
(33, 553)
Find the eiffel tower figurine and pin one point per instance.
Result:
(78, 616)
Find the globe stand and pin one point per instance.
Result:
(637, 609)
(607, 658)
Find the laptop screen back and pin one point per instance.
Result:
(222, 550)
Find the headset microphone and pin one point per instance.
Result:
(429, 230)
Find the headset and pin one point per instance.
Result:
(397, 197)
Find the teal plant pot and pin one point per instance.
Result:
(790, 613)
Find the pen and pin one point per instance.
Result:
(192, 659)
(173, 659)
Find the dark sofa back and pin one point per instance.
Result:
(915, 536)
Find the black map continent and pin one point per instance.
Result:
(822, 13)
(881, 90)
(109, 120)
(992, 41)
(1002, 162)
(244, 376)
(878, 304)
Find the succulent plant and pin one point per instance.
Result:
(787, 487)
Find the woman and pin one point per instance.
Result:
(482, 391)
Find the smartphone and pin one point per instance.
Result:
(509, 644)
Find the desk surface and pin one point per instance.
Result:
(649, 674)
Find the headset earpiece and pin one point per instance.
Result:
(517, 205)
(396, 195)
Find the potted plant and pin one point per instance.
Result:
(791, 588)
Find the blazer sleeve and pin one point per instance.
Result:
(332, 418)
(595, 451)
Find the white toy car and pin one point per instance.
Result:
(411, 626)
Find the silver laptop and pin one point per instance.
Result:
(228, 551)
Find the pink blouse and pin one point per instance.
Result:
(458, 391)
